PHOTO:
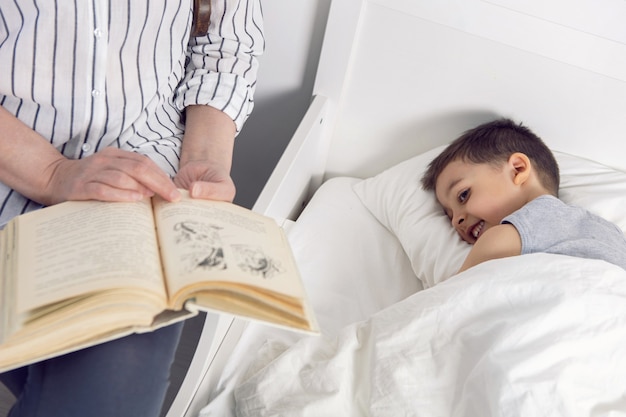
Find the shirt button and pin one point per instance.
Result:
(97, 33)
(95, 93)
(86, 147)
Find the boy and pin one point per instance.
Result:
(498, 183)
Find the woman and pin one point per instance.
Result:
(116, 100)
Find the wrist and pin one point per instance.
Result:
(209, 138)
(27, 160)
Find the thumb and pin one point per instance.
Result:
(222, 191)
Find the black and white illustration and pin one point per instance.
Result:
(202, 245)
(253, 260)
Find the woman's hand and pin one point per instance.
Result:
(109, 175)
(205, 180)
(33, 167)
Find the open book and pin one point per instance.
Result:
(83, 272)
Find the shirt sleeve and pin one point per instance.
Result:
(221, 67)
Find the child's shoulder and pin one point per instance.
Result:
(546, 202)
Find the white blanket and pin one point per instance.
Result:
(533, 335)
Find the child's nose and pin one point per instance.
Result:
(457, 222)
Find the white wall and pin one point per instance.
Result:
(294, 30)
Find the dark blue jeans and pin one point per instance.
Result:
(124, 377)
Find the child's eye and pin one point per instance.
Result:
(463, 196)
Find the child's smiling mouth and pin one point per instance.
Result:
(477, 229)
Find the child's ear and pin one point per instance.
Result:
(521, 167)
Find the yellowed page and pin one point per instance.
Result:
(79, 247)
(6, 289)
(217, 241)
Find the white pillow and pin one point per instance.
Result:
(395, 197)
(596, 187)
(351, 265)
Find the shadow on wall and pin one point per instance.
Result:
(440, 129)
(263, 140)
(420, 135)
(276, 114)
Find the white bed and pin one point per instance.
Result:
(530, 335)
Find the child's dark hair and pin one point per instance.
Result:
(493, 143)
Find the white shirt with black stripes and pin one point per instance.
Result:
(97, 73)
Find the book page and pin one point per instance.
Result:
(79, 247)
(208, 241)
(6, 289)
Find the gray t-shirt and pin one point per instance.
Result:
(547, 224)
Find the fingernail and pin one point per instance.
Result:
(194, 190)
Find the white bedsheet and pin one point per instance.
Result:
(533, 335)
(352, 267)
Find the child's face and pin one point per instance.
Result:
(477, 196)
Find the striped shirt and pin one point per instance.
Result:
(87, 74)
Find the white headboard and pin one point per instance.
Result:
(403, 76)
(399, 77)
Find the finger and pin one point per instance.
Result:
(147, 173)
(115, 181)
(104, 192)
(223, 191)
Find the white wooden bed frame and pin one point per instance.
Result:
(399, 77)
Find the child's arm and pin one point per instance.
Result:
(497, 242)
